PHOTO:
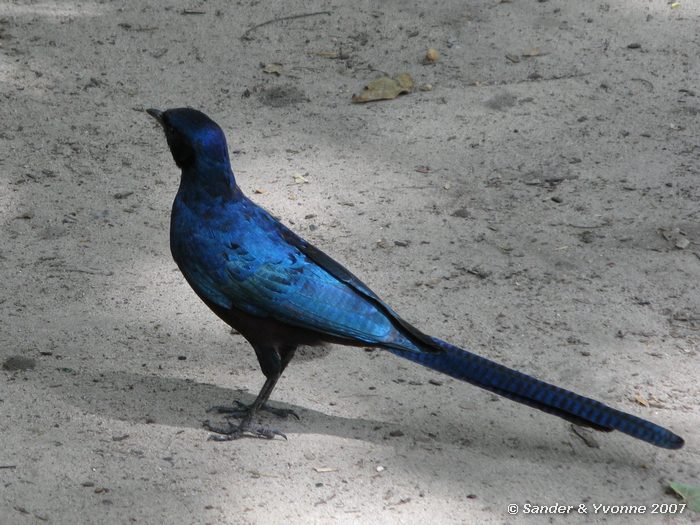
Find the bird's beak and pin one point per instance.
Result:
(156, 114)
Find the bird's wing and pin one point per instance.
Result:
(265, 269)
(342, 274)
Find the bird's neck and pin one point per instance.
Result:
(207, 179)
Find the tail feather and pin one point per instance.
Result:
(522, 388)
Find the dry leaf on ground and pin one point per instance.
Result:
(385, 88)
(272, 69)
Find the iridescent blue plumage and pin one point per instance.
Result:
(281, 292)
(236, 254)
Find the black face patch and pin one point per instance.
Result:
(180, 147)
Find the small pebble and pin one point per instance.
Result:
(431, 56)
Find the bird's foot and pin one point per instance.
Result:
(241, 410)
(231, 432)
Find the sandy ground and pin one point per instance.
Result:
(555, 229)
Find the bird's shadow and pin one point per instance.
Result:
(181, 403)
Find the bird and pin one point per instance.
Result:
(281, 292)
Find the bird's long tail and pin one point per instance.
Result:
(522, 388)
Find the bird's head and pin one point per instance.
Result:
(194, 139)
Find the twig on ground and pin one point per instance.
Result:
(246, 35)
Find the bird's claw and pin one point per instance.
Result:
(234, 432)
(280, 412)
(241, 410)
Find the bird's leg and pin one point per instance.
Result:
(245, 427)
(274, 364)
(273, 361)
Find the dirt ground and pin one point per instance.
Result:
(539, 205)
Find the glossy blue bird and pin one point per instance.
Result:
(281, 292)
